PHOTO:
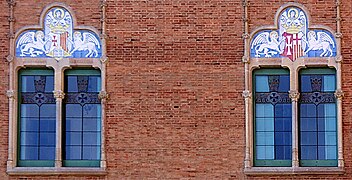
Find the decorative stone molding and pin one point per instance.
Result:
(247, 94)
(339, 94)
(104, 59)
(10, 94)
(11, 2)
(245, 35)
(9, 58)
(11, 19)
(103, 3)
(245, 59)
(103, 95)
(338, 59)
(338, 35)
(294, 95)
(245, 3)
(11, 35)
(58, 94)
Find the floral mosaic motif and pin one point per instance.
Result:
(58, 39)
(293, 38)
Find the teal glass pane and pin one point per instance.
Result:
(261, 84)
(329, 83)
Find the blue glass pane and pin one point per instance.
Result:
(308, 152)
(47, 139)
(47, 153)
(91, 152)
(73, 124)
(327, 124)
(94, 84)
(73, 138)
(327, 138)
(260, 152)
(29, 110)
(326, 110)
(265, 152)
(283, 138)
(29, 124)
(308, 124)
(73, 110)
(29, 138)
(91, 124)
(47, 110)
(72, 84)
(305, 84)
(47, 124)
(29, 153)
(265, 138)
(308, 110)
(284, 85)
(49, 84)
(309, 138)
(27, 84)
(330, 152)
(283, 124)
(264, 110)
(329, 83)
(261, 84)
(91, 138)
(283, 152)
(283, 110)
(91, 110)
(73, 153)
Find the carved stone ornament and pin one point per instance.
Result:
(294, 95)
(247, 94)
(10, 94)
(9, 58)
(245, 59)
(339, 94)
(103, 3)
(338, 59)
(11, 2)
(59, 94)
(104, 59)
(103, 95)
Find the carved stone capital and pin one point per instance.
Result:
(11, 35)
(103, 95)
(338, 19)
(10, 94)
(294, 95)
(338, 35)
(9, 58)
(338, 59)
(11, 2)
(11, 19)
(245, 59)
(337, 3)
(58, 94)
(103, 3)
(247, 94)
(245, 36)
(245, 3)
(339, 94)
(104, 59)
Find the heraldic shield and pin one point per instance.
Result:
(293, 38)
(58, 39)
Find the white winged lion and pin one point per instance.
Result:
(89, 42)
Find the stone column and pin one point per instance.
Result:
(59, 96)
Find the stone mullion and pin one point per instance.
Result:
(294, 95)
(59, 96)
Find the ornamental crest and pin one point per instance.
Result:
(293, 38)
(58, 39)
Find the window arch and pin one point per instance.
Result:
(47, 58)
(292, 43)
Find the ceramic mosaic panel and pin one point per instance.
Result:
(293, 39)
(58, 39)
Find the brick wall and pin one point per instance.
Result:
(175, 80)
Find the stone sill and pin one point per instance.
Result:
(56, 171)
(290, 170)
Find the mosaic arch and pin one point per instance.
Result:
(293, 38)
(58, 39)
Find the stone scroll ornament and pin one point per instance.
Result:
(58, 39)
(293, 39)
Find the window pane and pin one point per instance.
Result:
(29, 138)
(49, 85)
(307, 110)
(262, 84)
(91, 110)
(91, 152)
(47, 139)
(94, 84)
(308, 124)
(47, 124)
(73, 110)
(29, 110)
(48, 110)
(91, 138)
(29, 153)
(73, 124)
(309, 138)
(91, 124)
(29, 124)
(72, 84)
(73, 153)
(329, 83)
(284, 84)
(264, 110)
(308, 152)
(73, 138)
(27, 84)
(47, 153)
